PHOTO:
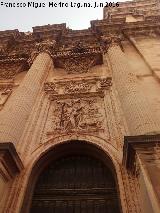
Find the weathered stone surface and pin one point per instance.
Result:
(89, 87)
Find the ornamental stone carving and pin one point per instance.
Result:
(50, 87)
(8, 71)
(78, 59)
(7, 74)
(110, 40)
(79, 64)
(5, 91)
(77, 115)
(2, 51)
(104, 83)
(46, 46)
(78, 86)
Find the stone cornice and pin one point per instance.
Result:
(71, 53)
(140, 143)
(135, 8)
(15, 42)
(103, 27)
(10, 162)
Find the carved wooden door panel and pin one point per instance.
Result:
(75, 184)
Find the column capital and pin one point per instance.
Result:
(46, 46)
(109, 41)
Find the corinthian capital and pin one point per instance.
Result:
(109, 41)
(46, 46)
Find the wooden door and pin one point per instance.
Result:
(75, 184)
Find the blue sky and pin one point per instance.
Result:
(24, 19)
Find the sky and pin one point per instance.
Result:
(67, 11)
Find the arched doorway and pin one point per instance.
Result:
(76, 178)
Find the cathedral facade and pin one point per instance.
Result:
(80, 115)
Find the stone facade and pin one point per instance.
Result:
(98, 86)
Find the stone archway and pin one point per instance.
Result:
(73, 177)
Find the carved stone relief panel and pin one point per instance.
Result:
(77, 115)
(77, 87)
(5, 91)
(77, 106)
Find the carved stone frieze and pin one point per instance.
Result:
(78, 59)
(5, 91)
(86, 86)
(7, 74)
(78, 64)
(82, 115)
(9, 69)
(80, 87)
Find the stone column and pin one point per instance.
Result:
(18, 108)
(134, 104)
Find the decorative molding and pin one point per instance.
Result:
(78, 59)
(7, 73)
(77, 87)
(65, 53)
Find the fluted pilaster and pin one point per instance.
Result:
(134, 104)
(16, 112)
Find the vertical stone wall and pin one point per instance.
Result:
(146, 78)
(99, 91)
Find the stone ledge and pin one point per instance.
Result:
(10, 162)
(137, 143)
